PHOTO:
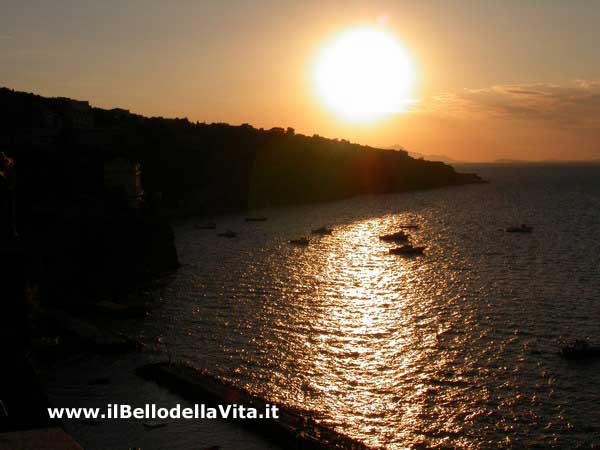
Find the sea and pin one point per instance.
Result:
(457, 348)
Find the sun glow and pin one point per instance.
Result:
(365, 74)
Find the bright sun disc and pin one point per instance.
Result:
(364, 74)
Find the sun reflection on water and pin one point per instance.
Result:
(367, 333)
(346, 330)
(455, 348)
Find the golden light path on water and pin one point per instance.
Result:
(370, 334)
(456, 348)
(343, 328)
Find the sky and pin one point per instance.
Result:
(493, 79)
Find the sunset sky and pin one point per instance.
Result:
(492, 79)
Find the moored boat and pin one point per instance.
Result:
(407, 250)
(228, 234)
(322, 230)
(519, 229)
(300, 241)
(399, 236)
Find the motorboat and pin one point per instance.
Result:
(399, 236)
(407, 250)
(520, 229)
(300, 241)
(322, 230)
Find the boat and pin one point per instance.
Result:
(256, 219)
(520, 229)
(407, 250)
(399, 236)
(228, 234)
(322, 231)
(205, 226)
(300, 241)
(580, 349)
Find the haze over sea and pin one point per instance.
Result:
(458, 347)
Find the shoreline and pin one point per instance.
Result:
(175, 216)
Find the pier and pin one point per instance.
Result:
(294, 429)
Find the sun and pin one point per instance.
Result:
(364, 74)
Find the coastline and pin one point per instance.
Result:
(88, 239)
(201, 212)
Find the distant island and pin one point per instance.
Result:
(196, 168)
(546, 161)
(429, 157)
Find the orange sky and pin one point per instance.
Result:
(510, 79)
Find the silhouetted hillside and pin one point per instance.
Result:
(61, 146)
(76, 194)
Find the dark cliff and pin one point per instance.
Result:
(78, 201)
(195, 167)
